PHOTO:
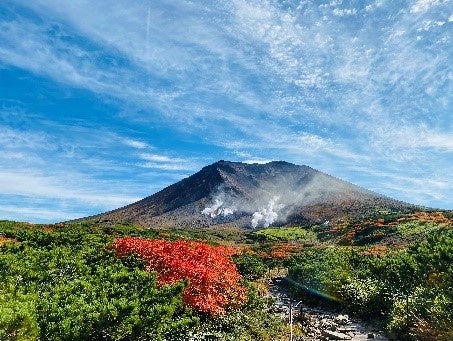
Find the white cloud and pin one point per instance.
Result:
(74, 173)
(256, 160)
(38, 215)
(16, 139)
(266, 80)
(419, 190)
(410, 142)
(437, 140)
(373, 6)
(66, 187)
(157, 158)
(156, 161)
(344, 12)
(424, 5)
(135, 144)
(291, 49)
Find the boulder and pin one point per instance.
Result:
(341, 319)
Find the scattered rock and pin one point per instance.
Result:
(342, 319)
(346, 329)
(331, 335)
(319, 324)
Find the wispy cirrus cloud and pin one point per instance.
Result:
(32, 213)
(333, 84)
(294, 53)
(65, 187)
(424, 5)
(157, 161)
(64, 171)
(135, 143)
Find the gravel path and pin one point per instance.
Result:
(320, 324)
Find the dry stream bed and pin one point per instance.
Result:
(318, 323)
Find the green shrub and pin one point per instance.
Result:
(365, 297)
(63, 283)
(321, 271)
(411, 289)
(18, 320)
(291, 234)
(251, 267)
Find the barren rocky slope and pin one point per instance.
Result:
(252, 195)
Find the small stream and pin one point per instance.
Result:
(318, 323)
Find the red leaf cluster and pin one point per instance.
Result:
(213, 277)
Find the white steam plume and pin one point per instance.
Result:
(266, 216)
(216, 209)
(274, 199)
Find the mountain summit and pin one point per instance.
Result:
(252, 195)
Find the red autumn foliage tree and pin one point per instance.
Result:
(213, 277)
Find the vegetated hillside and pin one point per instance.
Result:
(379, 233)
(243, 195)
(87, 281)
(91, 280)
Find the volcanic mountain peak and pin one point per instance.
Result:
(252, 195)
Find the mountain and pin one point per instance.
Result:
(252, 195)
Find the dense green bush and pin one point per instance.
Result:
(63, 283)
(321, 271)
(250, 266)
(291, 234)
(18, 320)
(411, 289)
(366, 297)
(251, 323)
(72, 289)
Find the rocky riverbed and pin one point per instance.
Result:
(317, 323)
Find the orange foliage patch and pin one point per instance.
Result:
(282, 251)
(214, 279)
(378, 250)
(437, 217)
(4, 240)
(279, 251)
(47, 228)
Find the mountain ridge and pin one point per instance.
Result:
(237, 194)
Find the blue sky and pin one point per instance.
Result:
(105, 102)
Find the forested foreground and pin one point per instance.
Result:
(93, 282)
(409, 291)
(74, 283)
